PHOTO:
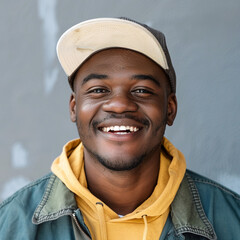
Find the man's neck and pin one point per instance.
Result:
(122, 191)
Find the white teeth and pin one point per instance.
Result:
(115, 128)
(123, 128)
(120, 128)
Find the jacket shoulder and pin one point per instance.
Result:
(211, 184)
(221, 205)
(28, 189)
(21, 205)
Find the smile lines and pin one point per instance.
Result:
(120, 129)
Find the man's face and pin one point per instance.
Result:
(121, 105)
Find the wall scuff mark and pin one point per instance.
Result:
(13, 185)
(19, 156)
(47, 13)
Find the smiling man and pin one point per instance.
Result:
(122, 179)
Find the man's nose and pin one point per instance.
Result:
(120, 103)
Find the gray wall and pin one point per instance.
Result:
(204, 41)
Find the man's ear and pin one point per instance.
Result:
(72, 107)
(172, 109)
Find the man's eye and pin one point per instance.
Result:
(98, 90)
(142, 91)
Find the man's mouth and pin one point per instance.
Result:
(120, 129)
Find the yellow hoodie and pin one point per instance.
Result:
(146, 221)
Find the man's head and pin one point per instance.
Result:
(121, 103)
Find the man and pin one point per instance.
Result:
(123, 179)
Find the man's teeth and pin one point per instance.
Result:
(120, 129)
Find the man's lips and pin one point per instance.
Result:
(120, 129)
(121, 125)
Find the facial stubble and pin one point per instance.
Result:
(120, 164)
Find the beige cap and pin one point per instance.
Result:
(86, 38)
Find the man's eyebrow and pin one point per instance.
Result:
(145, 77)
(93, 76)
(103, 76)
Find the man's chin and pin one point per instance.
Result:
(119, 162)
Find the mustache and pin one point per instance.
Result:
(121, 116)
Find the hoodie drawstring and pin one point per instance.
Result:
(102, 222)
(145, 227)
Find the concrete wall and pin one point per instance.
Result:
(204, 41)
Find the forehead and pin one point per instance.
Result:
(119, 61)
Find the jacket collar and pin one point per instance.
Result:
(187, 212)
(57, 201)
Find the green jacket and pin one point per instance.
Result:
(46, 209)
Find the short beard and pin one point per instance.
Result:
(121, 165)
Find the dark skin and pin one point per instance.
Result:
(113, 88)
